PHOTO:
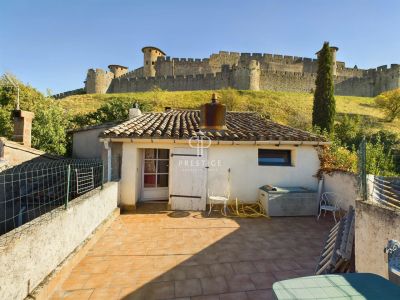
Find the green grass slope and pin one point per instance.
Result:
(292, 109)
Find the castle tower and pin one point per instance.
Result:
(150, 57)
(118, 70)
(334, 50)
(98, 81)
(246, 75)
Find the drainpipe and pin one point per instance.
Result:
(107, 146)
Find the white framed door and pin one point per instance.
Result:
(155, 174)
(188, 189)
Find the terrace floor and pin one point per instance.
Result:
(159, 254)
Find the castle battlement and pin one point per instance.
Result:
(240, 70)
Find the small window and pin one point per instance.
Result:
(267, 157)
(152, 62)
(147, 62)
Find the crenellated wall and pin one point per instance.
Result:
(251, 71)
(371, 82)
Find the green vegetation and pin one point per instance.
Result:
(292, 109)
(390, 103)
(324, 108)
(49, 125)
(357, 117)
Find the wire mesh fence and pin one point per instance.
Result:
(30, 190)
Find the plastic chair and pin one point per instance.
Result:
(329, 202)
(215, 199)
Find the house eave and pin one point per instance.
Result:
(216, 142)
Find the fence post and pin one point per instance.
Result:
(363, 169)
(68, 185)
(102, 175)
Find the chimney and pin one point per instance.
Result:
(134, 112)
(23, 126)
(213, 115)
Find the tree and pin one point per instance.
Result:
(389, 102)
(49, 124)
(324, 108)
(379, 160)
(49, 127)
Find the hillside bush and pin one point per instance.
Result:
(49, 124)
(389, 102)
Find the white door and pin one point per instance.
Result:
(188, 188)
(155, 174)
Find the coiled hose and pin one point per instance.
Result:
(245, 210)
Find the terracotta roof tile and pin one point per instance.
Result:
(183, 124)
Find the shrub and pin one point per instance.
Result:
(389, 102)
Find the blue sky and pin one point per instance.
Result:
(52, 43)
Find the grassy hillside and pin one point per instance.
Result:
(288, 108)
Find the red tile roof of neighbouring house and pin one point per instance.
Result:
(184, 124)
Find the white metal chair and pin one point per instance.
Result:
(214, 199)
(329, 202)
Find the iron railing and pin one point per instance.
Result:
(30, 190)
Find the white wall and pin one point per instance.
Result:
(246, 175)
(342, 183)
(31, 252)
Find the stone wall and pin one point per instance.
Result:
(375, 225)
(233, 69)
(41, 245)
(371, 82)
(80, 91)
(172, 83)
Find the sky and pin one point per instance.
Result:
(50, 44)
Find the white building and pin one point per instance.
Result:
(179, 156)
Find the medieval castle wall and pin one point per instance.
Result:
(253, 71)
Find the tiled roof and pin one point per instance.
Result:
(183, 124)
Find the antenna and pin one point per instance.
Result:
(16, 86)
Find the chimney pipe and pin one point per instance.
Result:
(213, 115)
(23, 127)
(134, 112)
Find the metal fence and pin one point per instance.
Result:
(386, 190)
(30, 190)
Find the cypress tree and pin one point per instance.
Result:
(324, 108)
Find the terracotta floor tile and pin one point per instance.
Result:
(214, 285)
(105, 293)
(244, 267)
(153, 254)
(78, 294)
(196, 271)
(205, 297)
(240, 282)
(224, 269)
(234, 296)
(75, 282)
(97, 281)
(261, 295)
(188, 288)
(262, 280)
(160, 290)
